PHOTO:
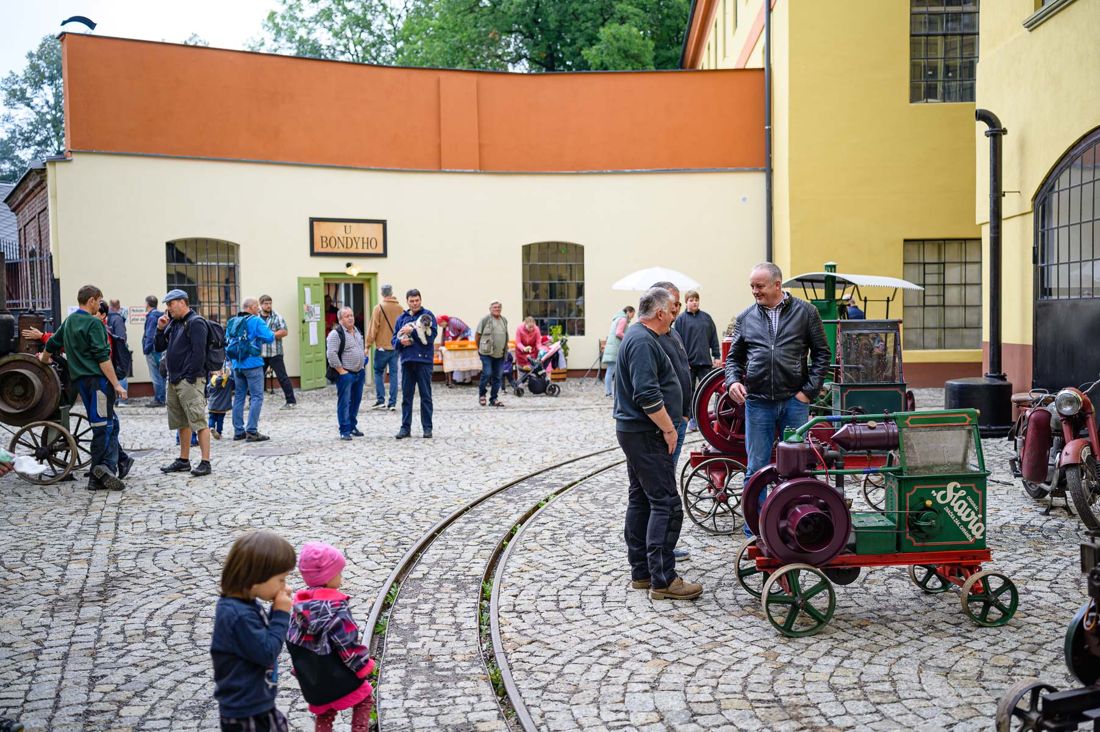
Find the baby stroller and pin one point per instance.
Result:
(537, 380)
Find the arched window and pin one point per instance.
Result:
(553, 285)
(1067, 225)
(206, 269)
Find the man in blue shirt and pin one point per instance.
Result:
(415, 346)
(152, 355)
(248, 368)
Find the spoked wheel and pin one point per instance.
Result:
(553, 390)
(989, 599)
(50, 445)
(748, 576)
(1084, 488)
(712, 495)
(928, 579)
(721, 420)
(874, 491)
(1018, 709)
(1079, 656)
(81, 431)
(804, 602)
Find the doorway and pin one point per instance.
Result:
(319, 299)
(346, 293)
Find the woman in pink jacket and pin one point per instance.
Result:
(528, 339)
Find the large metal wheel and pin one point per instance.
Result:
(989, 599)
(1084, 488)
(756, 488)
(874, 491)
(712, 495)
(748, 576)
(1018, 709)
(928, 579)
(799, 600)
(721, 420)
(81, 431)
(1080, 658)
(30, 391)
(49, 444)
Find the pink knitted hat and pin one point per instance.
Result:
(319, 562)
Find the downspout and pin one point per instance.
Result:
(994, 133)
(769, 252)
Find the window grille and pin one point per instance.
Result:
(948, 313)
(943, 50)
(1067, 215)
(553, 285)
(207, 270)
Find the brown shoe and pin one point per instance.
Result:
(678, 590)
(639, 584)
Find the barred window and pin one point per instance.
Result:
(206, 269)
(948, 313)
(943, 50)
(1067, 215)
(553, 285)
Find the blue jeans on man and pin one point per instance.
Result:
(98, 397)
(349, 393)
(152, 360)
(765, 419)
(382, 360)
(250, 383)
(416, 376)
(491, 369)
(609, 379)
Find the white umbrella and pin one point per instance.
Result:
(643, 279)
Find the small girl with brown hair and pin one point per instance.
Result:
(247, 641)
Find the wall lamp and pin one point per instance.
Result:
(351, 270)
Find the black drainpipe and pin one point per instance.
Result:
(768, 245)
(994, 133)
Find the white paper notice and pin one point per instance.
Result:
(313, 334)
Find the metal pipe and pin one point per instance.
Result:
(994, 132)
(769, 252)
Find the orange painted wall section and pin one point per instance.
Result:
(127, 96)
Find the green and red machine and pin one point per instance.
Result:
(934, 522)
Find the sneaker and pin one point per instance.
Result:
(95, 485)
(428, 435)
(256, 437)
(215, 434)
(124, 466)
(393, 408)
(682, 555)
(203, 468)
(290, 405)
(346, 438)
(357, 433)
(379, 405)
(179, 465)
(678, 590)
(10, 725)
(155, 403)
(639, 584)
(107, 478)
(239, 436)
(401, 435)
(693, 426)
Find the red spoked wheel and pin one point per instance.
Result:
(758, 485)
(712, 495)
(721, 420)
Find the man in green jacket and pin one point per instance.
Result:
(84, 340)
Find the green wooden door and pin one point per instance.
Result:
(311, 331)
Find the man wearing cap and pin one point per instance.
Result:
(181, 336)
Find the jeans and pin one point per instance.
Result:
(491, 369)
(152, 360)
(654, 514)
(382, 360)
(609, 379)
(217, 422)
(414, 376)
(99, 403)
(275, 363)
(250, 382)
(764, 419)
(681, 431)
(349, 392)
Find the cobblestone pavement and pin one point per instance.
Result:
(589, 652)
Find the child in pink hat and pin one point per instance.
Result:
(329, 662)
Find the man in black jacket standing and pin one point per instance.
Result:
(700, 336)
(181, 335)
(766, 369)
(648, 404)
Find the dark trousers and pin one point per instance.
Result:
(490, 372)
(98, 397)
(416, 376)
(349, 393)
(653, 511)
(697, 374)
(275, 363)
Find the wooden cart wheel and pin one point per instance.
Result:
(81, 431)
(989, 599)
(1018, 709)
(804, 602)
(712, 495)
(928, 579)
(50, 444)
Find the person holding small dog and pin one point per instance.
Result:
(414, 340)
(492, 341)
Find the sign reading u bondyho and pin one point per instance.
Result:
(347, 237)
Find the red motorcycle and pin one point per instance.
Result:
(1057, 441)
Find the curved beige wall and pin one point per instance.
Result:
(457, 237)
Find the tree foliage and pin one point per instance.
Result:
(33, 124)
(364, 31)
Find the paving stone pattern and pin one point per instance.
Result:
(588, 652)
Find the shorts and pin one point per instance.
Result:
(187, 406)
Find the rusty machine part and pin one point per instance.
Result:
(30, 391)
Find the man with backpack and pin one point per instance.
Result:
(244, 334)
(184, 338)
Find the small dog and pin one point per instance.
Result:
(423, 328)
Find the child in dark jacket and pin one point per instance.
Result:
(329, 662)
(219, 396)
(247, 641)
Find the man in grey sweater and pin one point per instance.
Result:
(346, 354)
(648, 403)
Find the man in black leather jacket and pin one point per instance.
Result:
(767, 368)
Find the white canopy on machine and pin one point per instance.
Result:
(844, 280)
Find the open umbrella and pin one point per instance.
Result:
(643, 279)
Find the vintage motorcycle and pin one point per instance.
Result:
(1057, 442)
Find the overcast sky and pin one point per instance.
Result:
(222, 23)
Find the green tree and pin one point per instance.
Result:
(364, 31)
(33, 123)
(620, 46)
(454, 34)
